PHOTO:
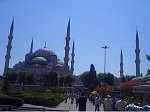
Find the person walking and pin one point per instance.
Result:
(82, 102)
(76, 97)
(97, 103)
(108, 103)
(72, 98)
(121, 104)
(66, 97)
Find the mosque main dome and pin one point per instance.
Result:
(43, 52)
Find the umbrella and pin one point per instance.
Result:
(94, 92)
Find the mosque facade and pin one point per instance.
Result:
(43, 60)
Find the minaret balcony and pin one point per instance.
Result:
(72, 54)
(67, 38)
(66, 59)
(9, 47)
(137, 50)
(7, 57)
(67, 48)
(137, 61)
(10, 37)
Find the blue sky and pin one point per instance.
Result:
(94, 23)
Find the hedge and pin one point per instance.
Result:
(11, 101)
(34, 98)
(48, 102)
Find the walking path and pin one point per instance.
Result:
(72, 107)
(65, 107)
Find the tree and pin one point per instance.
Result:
(12, 77)
(26, 77)
(101, 79)
(85, 79)
(6, 84)
(129, 78)
(68, 79)
(89, 78)
(109, 79)
(123, 79)
(92, 74)
(51, 78)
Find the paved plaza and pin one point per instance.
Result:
(72, 107)
(65, 107)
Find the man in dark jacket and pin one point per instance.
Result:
(82, 102)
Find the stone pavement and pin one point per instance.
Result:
(65, 107)
(89, 107)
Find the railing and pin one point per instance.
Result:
(141, 89)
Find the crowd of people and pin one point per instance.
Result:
(110, 103)
(80, 100)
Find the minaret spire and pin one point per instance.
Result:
(72, 60)
(68, 28)
(137, 51)
(121, 64)
(31, 48)
(7, 56)
(67, 48)
(45, 45)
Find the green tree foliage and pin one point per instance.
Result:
(51, 78)
(6, 85)
(92, 73)
(129, 78)
(12, 76)
(123, 79)
(101, 79)
(68, 80)
(85, 79)
(92, 78)
(109, 79)
(89, 78)
(26, 77)
(62, 81)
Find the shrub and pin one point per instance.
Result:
(11, 93)
(3, 95)
(41, 90)
(44, 99)
(11, 101)
(28, 99)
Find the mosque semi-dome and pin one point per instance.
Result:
(40, 59)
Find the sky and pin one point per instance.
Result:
(93, 24)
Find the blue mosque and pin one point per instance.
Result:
(43, 60)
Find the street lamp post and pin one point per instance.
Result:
(105, 47)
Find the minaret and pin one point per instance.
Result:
(67, 48)
(137, 51)
(31, 48)
(72, 60)
(121, 64)
(7, 56)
